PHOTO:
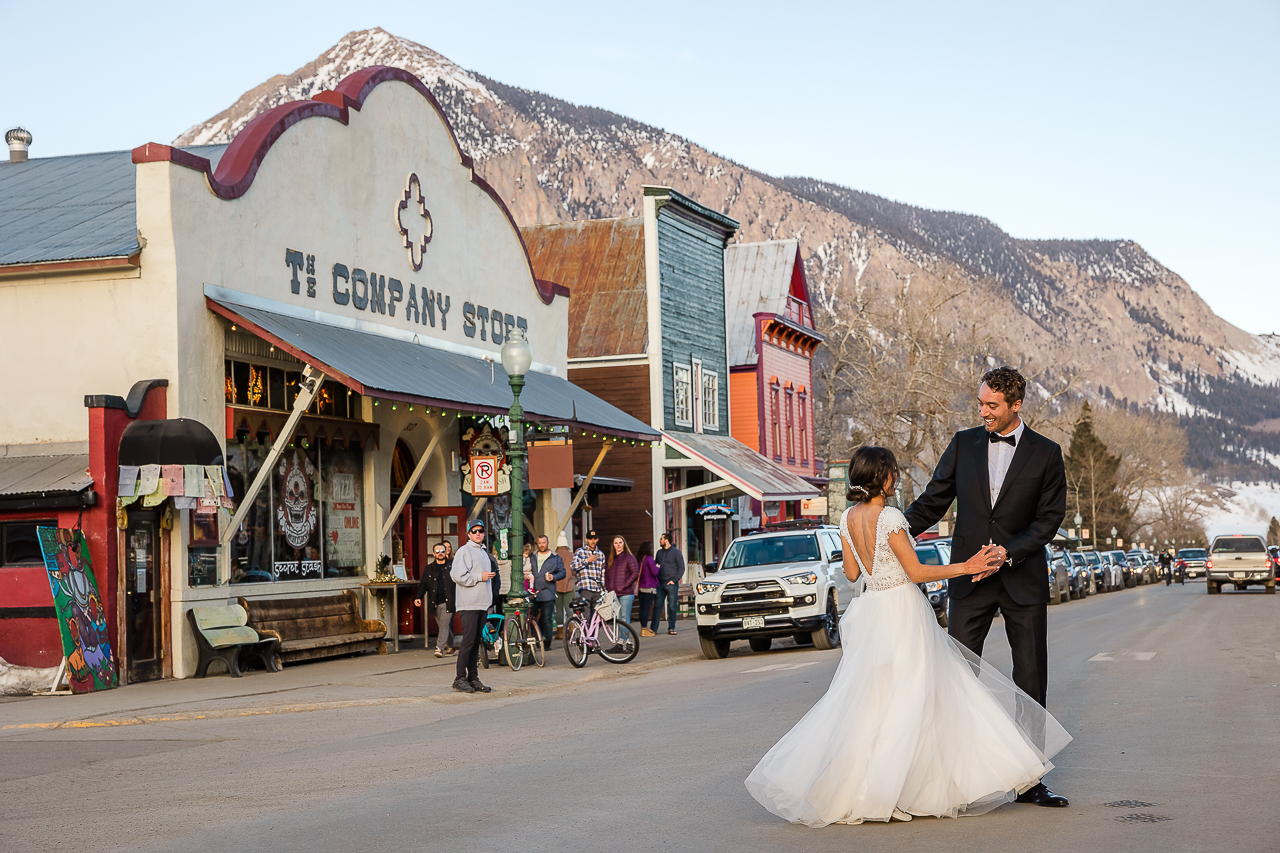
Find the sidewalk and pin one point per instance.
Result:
(413, 675)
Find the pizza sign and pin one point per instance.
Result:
(484, 475)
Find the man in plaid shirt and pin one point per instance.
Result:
(588, 567)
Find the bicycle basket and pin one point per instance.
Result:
(608, 606)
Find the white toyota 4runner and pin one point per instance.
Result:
(785, 584)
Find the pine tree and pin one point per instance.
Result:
(1092, 487)
(1273, 532)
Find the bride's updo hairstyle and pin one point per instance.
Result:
(869, 470)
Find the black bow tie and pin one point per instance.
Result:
(995, 438)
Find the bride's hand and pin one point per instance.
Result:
(984, 563)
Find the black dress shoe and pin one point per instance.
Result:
(478, 687)
(1039, 795)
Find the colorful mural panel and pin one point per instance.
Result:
(81, 616)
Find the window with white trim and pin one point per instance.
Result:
(710, 400)
(682, 396)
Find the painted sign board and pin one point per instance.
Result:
(81, 617)
(813, 506)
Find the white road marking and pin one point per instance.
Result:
(1144, 656)
(780, 666)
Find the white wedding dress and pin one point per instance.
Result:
(912, 720)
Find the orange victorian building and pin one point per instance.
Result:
(772, 341)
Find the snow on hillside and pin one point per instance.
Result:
(1243, 508)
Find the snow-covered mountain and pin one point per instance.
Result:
(1142, 334)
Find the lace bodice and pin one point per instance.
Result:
(886, 572)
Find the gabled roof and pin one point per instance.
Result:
(757, 279)
(601, 261)
(72, 208)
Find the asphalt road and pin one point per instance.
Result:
(1171, 696)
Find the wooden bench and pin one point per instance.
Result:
(316, 627)
(223, 633)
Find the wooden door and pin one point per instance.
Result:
(144, 647)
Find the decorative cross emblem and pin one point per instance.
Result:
(417, 233)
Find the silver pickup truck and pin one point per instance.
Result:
(1240, 560)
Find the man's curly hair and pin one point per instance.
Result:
(1007, 381)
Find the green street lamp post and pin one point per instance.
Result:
(516, 359)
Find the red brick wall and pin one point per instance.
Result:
(798, 369)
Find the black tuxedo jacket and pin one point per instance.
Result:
(1026, 516)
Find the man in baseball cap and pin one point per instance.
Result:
(588, 568)
(472, 572)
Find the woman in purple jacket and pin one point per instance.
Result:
(621, 575)
(648, 585)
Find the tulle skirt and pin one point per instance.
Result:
(912, 720)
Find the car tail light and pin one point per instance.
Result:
(1208, 564)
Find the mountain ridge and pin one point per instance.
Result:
(1148, 338)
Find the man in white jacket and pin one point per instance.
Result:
(472, 572)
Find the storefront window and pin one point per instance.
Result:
(344, 530)
(296, 520)
(306, 522)
(261, 387)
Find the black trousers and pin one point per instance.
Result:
(1026, 626)
(469, 651)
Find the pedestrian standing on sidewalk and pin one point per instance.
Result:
(473, 573)
(648, 587)
(565, 589)
(438, 587)
(670, 573)
(588, 569)
(546, 569)
(621, 576)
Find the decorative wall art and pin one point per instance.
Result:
(81, 617)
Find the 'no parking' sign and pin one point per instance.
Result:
(484, 475)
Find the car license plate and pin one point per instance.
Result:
(749, 622)
(1238, 574)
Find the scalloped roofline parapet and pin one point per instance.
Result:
(244, 155)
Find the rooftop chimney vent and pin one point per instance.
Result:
(19, 140)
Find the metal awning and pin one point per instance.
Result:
(378, 365)
(40, 482)
(741, 467)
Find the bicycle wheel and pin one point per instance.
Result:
(534, 639)
(513, 642)
(575, 643)
(619, 643)
(484, 654)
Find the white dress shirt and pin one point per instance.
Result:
(999, 457)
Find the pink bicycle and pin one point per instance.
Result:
(613, 639)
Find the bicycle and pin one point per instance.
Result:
(522, 637)
(582, 636)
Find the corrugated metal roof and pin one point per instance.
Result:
(732, 460)
(601, 261)
(38, 475)
(72, 208)
(435, 376)
(757, 278)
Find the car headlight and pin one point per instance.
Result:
(808, 578)
(935, 586)
(707, 588)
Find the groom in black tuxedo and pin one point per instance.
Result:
(1010, 489)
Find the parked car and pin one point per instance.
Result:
(935, 552)
(1119, 559)
(1239, 560)
(775, 584)
(1083, 584)
(1144, 558)
(1106, 577)
(1059, 576)
(1192, 561)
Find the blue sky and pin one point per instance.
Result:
(1156, 122)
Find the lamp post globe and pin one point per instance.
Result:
(517, 357)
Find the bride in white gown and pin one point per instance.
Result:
(913, 723)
